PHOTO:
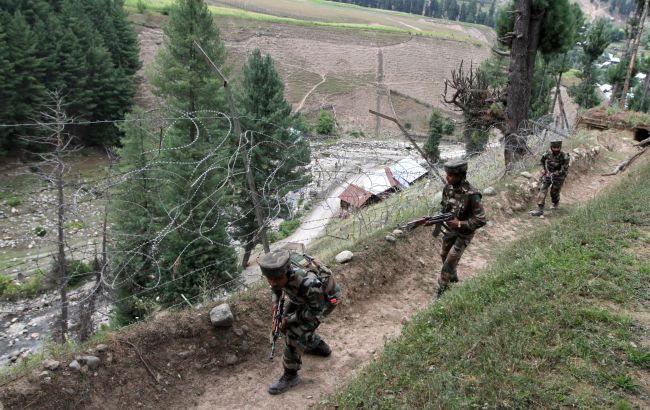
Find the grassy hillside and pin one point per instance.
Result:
(560, 320)
(328, 14)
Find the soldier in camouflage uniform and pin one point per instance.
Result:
(464, 201)
(555, 166)
(311, 296)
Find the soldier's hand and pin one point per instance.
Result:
(454, 223)
(284, 324)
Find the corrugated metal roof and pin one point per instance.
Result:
(407, 170)
(375, 182)
(355, 196)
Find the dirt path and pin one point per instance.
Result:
(358, 329)
(302, 102)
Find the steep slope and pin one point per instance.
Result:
(178, 360)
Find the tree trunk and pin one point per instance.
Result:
(612, 98)
(557, 92)
(626, 54)
(522, 66)
(61, 262)
(248, 248)
(635, 48)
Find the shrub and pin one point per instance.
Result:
(77, 271)
(286, 228)
(10, 290)
(75, 224)
(448, 126)
(40, 231)
(141, 6)
(325, 124)
(14, 201)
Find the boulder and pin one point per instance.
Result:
(526, 174)
(489, 191)
(344, 256)
(91, 361)
(221, 316)
(398, 232)
(101, 348)
(50, 364)
(74, 365)
(390, 238)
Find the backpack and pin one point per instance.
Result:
(309, 263)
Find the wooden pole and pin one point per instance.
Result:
(408, 136)
(635, 48)
(249, 172)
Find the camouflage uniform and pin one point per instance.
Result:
(557, 165)
(307, 304)
(311, 293)
(464, 201)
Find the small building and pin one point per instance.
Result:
(376, 185)
(407, 171)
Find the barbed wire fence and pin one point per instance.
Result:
(214, 177)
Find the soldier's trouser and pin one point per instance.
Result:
(556, 187)
(298, 337)
(453, 246)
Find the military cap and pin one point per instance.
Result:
(556, 143)
(275, 263)
(456, 166)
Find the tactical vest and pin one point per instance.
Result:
(554, 163)
(456, 200)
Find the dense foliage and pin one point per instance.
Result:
(86, 50)
(280, 151)
(171, 241)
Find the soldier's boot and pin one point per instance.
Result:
(288, 379)
(555, 205)
(538, 212)
(321, 349)
(441, 290)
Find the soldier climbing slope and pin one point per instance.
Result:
(464, 201)
(555, 166)
(311, 294)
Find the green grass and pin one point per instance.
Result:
(286, 228)
(11, 290)
(14, 201)
(549, 325)
(162, 6)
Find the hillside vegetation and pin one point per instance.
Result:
(561, 319)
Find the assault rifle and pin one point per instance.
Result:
(278, 314)
(436, 219)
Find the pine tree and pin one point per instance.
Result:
(28, 94)
(280, 152)
(133, 269)
(431, 147)
(594, 43)
(7, 75)
(192, 248)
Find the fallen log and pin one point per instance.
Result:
(623, 165)
(642, 143)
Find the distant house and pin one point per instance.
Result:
(407, 171)
(372, 187)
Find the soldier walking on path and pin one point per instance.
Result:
(311, 294)
(464, 201)
(555, 166)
